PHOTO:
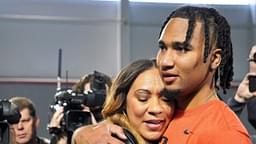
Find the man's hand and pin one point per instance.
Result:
(101, 133)
(56, 118)
(243, 94)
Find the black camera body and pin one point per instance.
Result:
(73, 103)
(9, 114)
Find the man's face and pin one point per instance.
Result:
(182, 68)
(252, 64)
(25, 130)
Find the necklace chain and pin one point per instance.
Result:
(210, 96)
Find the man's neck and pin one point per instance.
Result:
(34, 141)
(196, 99)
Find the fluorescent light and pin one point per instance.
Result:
(221, 2)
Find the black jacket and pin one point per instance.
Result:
(238, 108)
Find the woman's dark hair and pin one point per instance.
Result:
(216, 29)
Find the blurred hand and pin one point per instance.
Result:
(56, 118)
(243, 94)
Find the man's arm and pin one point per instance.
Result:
(251, 108)
(236, 106)
(242, 96)
(100, 133)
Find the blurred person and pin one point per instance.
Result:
(26, 130)
(243, 95)
(83, 86)
(9, 115)
(92, 83)
(195, 60)
(12, 139)
(137, 103)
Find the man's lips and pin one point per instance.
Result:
(21, 135)
(169, 78)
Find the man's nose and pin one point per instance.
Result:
(166, 60)
(20, 125)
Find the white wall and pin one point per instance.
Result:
(31, 32)
(93, 35)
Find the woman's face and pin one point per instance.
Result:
(149, 112)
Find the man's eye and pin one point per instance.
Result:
(162, 46)
(25, 120)
(180, 47)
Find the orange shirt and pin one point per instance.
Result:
(211, 123)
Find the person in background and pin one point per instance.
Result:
(243, 95)
(93, 83)
(84, 85)
(195, 60)
(137, 103)
(25, 131)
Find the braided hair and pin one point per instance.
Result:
(216, 29)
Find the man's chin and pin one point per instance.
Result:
(22, 141)
(171, 94)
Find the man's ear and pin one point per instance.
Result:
(216, 58)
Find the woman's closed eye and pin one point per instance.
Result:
(142, 95)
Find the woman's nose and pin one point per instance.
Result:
(155, 107)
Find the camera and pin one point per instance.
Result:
(9, 114)
(252, 83)
(73, 103)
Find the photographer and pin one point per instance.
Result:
(244, 96)
(26, 130)
(88, 85)
(9, 114)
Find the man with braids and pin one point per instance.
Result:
(195, 56)
(195, 61)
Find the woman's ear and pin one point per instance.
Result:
(216, 58)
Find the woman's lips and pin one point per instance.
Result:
(154, 125)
